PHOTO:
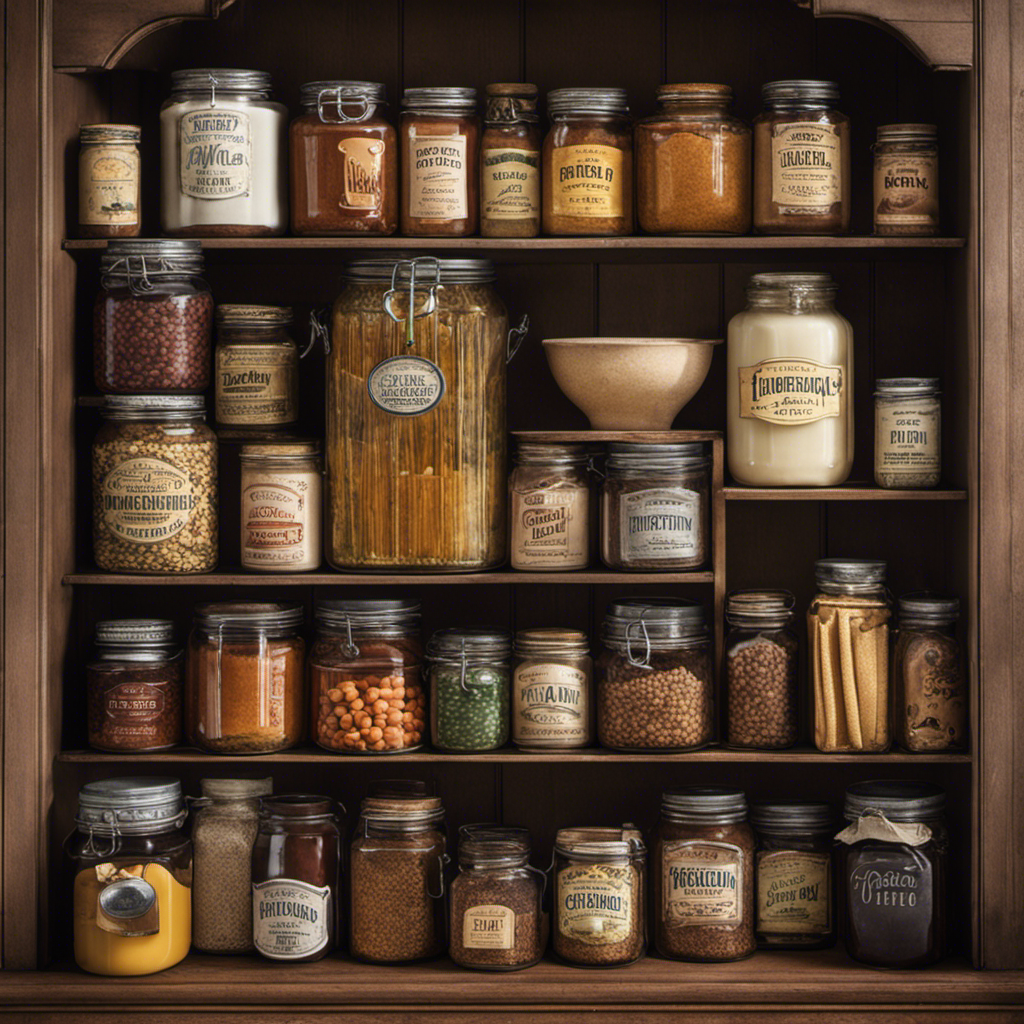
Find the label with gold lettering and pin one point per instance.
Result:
(108, 185)
(510, 184)
(586, 181)
(146, 500)
(794, 892)
(438, 177)
(795, 391)
(806, 165)
(489, 926)
(364, 170)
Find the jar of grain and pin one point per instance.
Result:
(510, 163)
(224, 826)
(908, 432)
(703, 876)
(655, 676)
(243, 687)
(588, 163)
(801, 160)
(907, 180)
(109, 192)
(693, 164)
(600, 896)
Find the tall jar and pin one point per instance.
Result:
(801, 160)
(109, 193)
(906, 180)
(244, 682)
(223, 155)
(693, 174)
(440, 135)
(510, 163)
(789, 385)
(588, 163)
(655, 676)
(133, 876)
(344, 161)
(848, 641)
(366, 677)
(908, 432)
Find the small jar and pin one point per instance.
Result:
(655, 506)
(549, 507)
(134, 687)
(109, 193)
(296, 878)
(892, 869)
(848, 640)
(693, 174)
(552, 676)
(703, 871)
(133, 877)
(223, 155)
(762, 689)
(655, 676)
(795, 880)
(365, 668)
(600, 896)
(152, 320)
(801, 160)
(469, 689)
(588, 163)
(908, 432)
(344, 161)
(243, 688)
(907, 180)
(440, 135)
(510, 163)
(928, 676)
(154, 485)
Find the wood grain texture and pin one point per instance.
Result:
(848, 492)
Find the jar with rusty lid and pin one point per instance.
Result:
(510, 162)
(906, 180)
(109, 189)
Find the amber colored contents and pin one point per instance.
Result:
(510, 163)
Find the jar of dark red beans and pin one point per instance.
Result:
(153, 317)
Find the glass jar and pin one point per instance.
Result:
(133, 876)
(469, 689)
(365, 669)
(133, 687)
(154, 485)
(795, 881)
(549, 507)
(600, 896)
(510, 163)
(892, 867)
(223, 155)
(398, 860)
(552, 674)
(296, 878)
(588, 163)
(908, 432)
(703, 876)
(789, 385)
(152, 318)
(801, 160)
(848, 640)
(930, 688)
(655, 506)
(109, 194)
(655, 676)
(243, 688)
(693, 164)
(344, 161)
(440, 135)
(224, 825)
(907, 180)
(762, 686)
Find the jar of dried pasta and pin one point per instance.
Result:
(907, 180)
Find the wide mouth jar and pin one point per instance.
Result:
(639, 626)
(600, 844)
(753, 609)
(189, 82)
(791, 292)
(704, 805)
(923, 610)
(799, 94)
(551, 641)
(139, 263)
(153, 407)
(583, 102)
(898, 801)
(850, 575)
(455, 100)
(130, 806)
(794, 818)
(241, 620)
(343, 102)
(142, 640)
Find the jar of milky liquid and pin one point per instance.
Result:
(790, 384)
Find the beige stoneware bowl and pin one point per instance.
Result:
(629, 383)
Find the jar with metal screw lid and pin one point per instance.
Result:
(510, 162)
(109, 191)
(908, 432)
(907, 180)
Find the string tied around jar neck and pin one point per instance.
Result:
(140, 263)
(874, 824)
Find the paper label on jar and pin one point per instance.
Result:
(406, 385)
(595, 903)
(489, 926)
(586, 181)
(794, 892)
(550, 702)
(146, 500)
(108, 185)
(906, 190)
(806, 165)
(550, 528)
(659, 523)
(510, 184)
(790, 391)
(438, 177)
(290, 919)
(134, 709)
(702, 883)
(907, 439)
(275, 529)
(256, 384)
(215, 153)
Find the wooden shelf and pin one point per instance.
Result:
(600, 436)
(853, 491)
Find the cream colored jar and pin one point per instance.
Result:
(908, 432)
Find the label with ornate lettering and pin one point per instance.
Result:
(438, 177)
(290, 919)
(146, 500)
(906, 190)
(660, 522)
(793, 391)
(406, 385)
(257, 385)
(215, 153)
(907, 442)
(595, 903)
(108, 185)
(550, 528)
(364, 173)
(550, 702)
(489, 926)
(587, 181)
(702, 883)
(134, 710)
(806, 165)
(794, 892)
(889, 897)
(510, 184)
(274, 531)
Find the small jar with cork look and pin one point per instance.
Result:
(510, 163)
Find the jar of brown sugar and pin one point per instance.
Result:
(510, 163)
(906, 180)
(108, 181)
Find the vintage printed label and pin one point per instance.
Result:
(290, 919)
(134, 710)
(364, 173)
(275, 529)
(510, 184)
(702, 883)
(907, 440)
(215, 153)
(489, 926)
(550, 702)
(438, 177)
(406, 385)
(595, 903)
(659, 523)
(550, 528)
(906, 190)
(794, 892)
(257, 384)
(586, 181)
(790, 391)
(108, 185)
(806, 166)
(146, 500)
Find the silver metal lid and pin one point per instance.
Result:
(925, 608)
(134, 632)
(898, 801)
(133, 260)
(236, 315)
(595, 841)
(127, 134)
(793, 816)
(226, 80)
(236, 789)
(795, 285)
(539, 453)
(661, 618)
(855, 571)
(368, 614)
(474, 643)
(920, 133)
(155, 407)
(711, 805)
(588, 101)
(686, 455)
(448, 271)
(800, 90)
(907, 387)
(759, 607)
(249, 616)
(331, 92)
(130, 805)
(443, 99)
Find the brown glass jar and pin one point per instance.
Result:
(108, 181)
(510, 163)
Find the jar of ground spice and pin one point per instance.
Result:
(907, 180)
(108, 181)
(908, 432)
(510, 163)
